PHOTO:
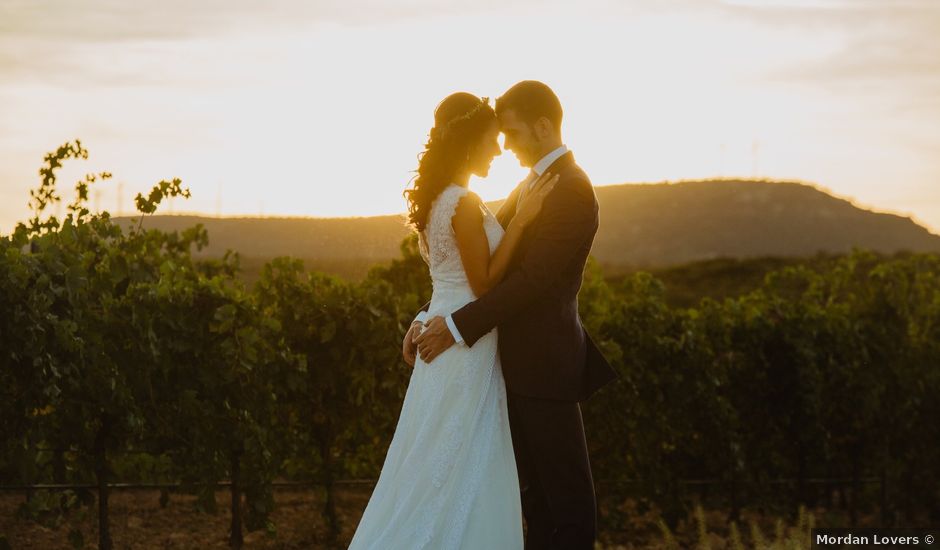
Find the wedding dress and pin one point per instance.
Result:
(449, 479)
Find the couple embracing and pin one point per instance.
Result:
(490, 429)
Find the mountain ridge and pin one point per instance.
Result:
(641, 225)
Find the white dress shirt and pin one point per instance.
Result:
(546, 161)
(540, 167)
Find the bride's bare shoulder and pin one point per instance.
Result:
(468, 208)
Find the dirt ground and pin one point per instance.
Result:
(139, 522)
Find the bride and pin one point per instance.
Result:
(449, 479)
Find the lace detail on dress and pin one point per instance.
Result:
(442, 244)
(423, 248)
(485, 421)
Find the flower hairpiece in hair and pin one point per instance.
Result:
(437, 133)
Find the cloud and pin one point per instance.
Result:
(842, 5)
(119, 20)
(883, 42)
(46, 39)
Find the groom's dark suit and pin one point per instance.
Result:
(544, 349)
(548, 360)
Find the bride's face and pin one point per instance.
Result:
(485, 151)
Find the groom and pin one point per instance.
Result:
(548, 360)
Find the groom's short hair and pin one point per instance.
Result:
(531, 100)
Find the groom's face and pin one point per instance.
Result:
(520, 138)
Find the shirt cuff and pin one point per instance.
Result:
(421, 317)
(453, 330)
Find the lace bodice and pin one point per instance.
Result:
(438, 244)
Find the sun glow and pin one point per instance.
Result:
(325, 117)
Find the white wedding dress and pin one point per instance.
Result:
(449, 479)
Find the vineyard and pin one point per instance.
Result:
(126, 360)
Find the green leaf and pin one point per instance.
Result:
(328, 331)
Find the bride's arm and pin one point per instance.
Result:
(485, 271)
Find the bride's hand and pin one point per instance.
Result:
(531, 204)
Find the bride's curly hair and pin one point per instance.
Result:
(459, 121)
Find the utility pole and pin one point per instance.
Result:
(120, 199)
(721, 159)
(755, 158)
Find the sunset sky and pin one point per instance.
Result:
(319, 107)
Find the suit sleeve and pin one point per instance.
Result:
(567, 220)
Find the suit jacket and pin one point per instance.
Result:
(544, 350)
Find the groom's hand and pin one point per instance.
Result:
(435, 339)
(408, 346)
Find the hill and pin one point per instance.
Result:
(669, 224)
(642, 225)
